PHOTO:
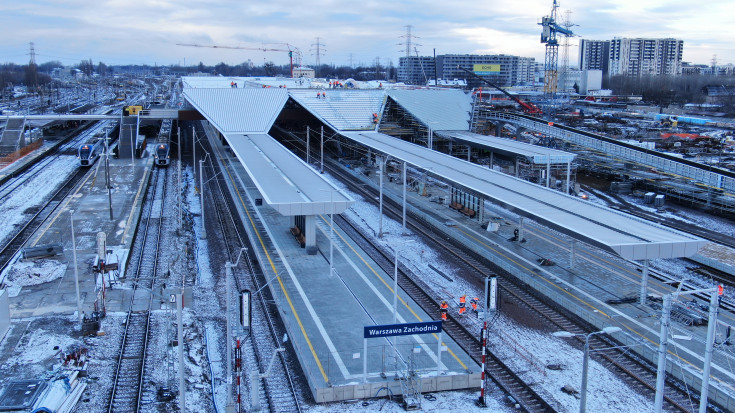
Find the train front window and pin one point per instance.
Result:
(84, 152)
(162, 149)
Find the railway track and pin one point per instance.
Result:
(26, 175)
(715, 275)
(39, 213)
(639, 373)
(38, 216)
(501, 374)
(128, 390)
(279, 390)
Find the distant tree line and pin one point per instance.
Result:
(377, 72)
(666, 90)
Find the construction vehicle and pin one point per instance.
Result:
(528, 107)
(290, 49)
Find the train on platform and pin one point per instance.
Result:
(162, 153)
(91, 150)
(94, 147)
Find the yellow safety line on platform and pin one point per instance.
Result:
(96, 171)
(391, 290)
(135, 202)
(67, 200)
(280, 282)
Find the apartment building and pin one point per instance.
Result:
(632, 57)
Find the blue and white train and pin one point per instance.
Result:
(162, 153)
(90, 151)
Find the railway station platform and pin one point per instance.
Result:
(599, 287)
(325, 311)
(91, 206)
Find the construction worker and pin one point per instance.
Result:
(474, 303)
(444, 309)
(462, 303)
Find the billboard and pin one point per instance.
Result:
(486, 69)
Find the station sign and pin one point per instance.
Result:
(406, 329)
(486, 69)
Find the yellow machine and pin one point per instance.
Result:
(132, 110)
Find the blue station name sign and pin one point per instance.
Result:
(389, 330)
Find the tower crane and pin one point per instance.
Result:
(549, 30)
(292, 50)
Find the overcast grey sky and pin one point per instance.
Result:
(147, 31)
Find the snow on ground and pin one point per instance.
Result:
(13, 208)
(40, 346)
(532, 348)
(102, 355)
(25, 273)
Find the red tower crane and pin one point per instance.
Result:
(290, 49)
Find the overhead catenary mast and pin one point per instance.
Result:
(318, 52)
(409, 44)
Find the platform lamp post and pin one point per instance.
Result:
(331, 230)
(307, 145)
(395, 279)
(107, 171)
(585, 361)
(76, 271)
(404, 178)
(380, 214)
(395, 300)
(178, 167)
(322, 149)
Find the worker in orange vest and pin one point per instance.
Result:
(474, 302)
(444, 309)
(462, 302)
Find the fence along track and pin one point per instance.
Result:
(127, 389)
(278, 390)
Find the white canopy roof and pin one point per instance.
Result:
(343, 109)
(287, 183)
(534, 153)
(622, 234)
(238, 110)
(438, 109)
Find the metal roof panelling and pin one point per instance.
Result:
(436, 108)
(614, 231)
(537, 154)
(342, 109)
(287, 183)
(238, 110)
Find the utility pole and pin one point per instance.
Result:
(76, 271)
(182, 368)
(201, 194)
(107, 171)
(318, 52)
(408, 43)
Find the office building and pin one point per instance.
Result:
(503, 70)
